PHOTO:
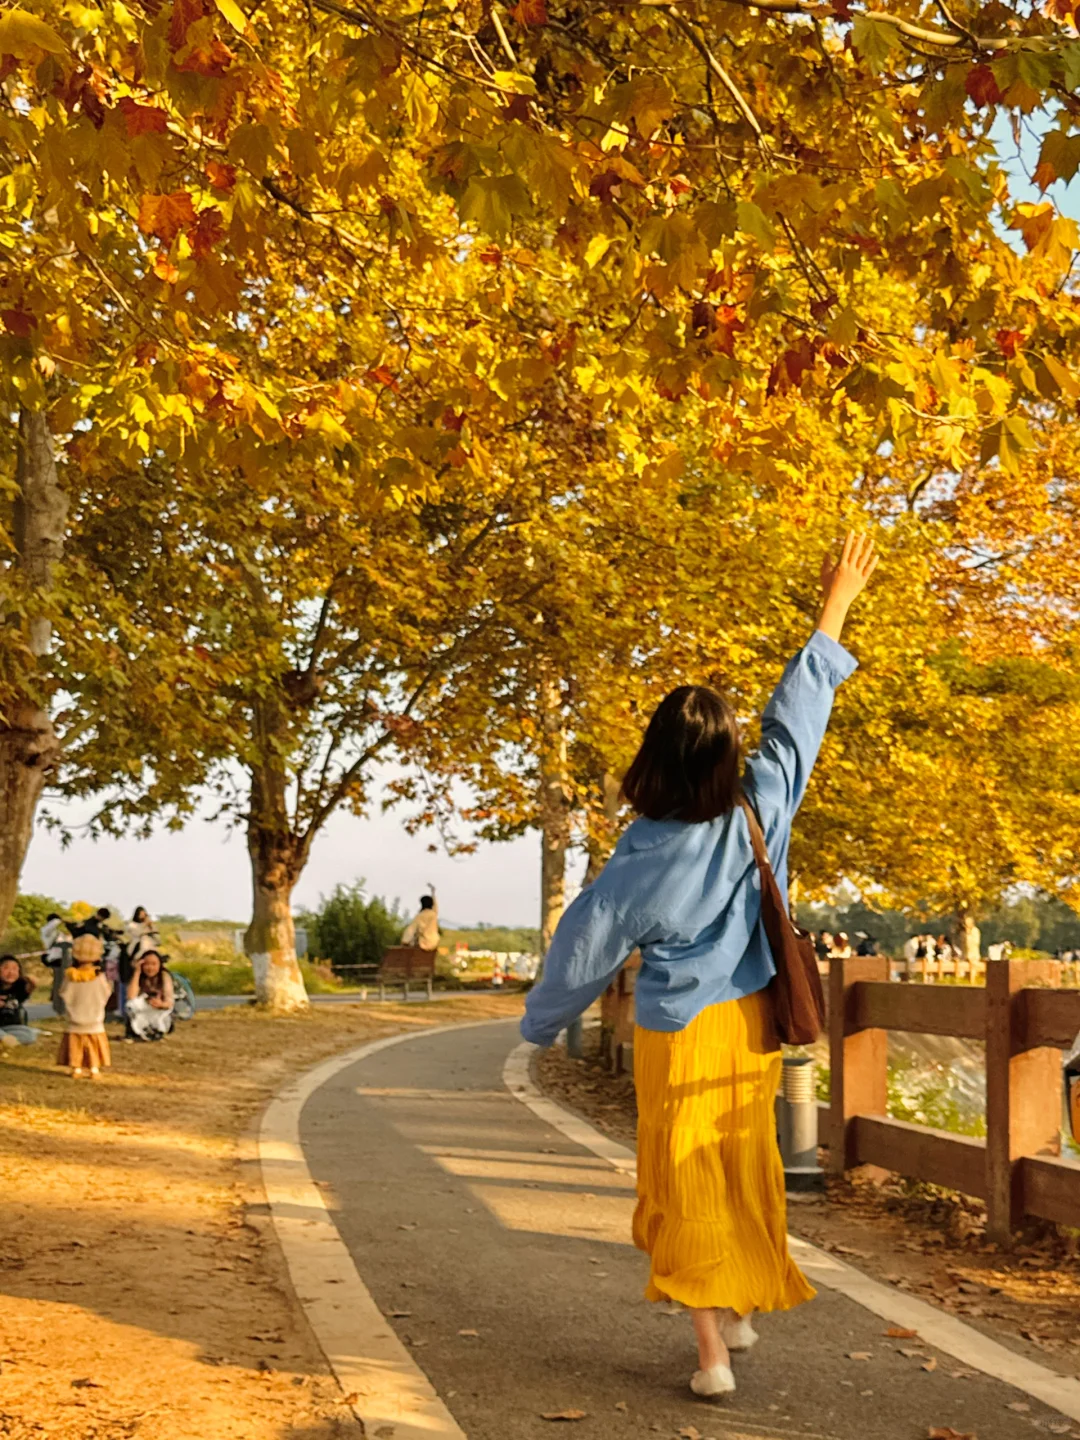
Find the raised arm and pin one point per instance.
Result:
(587, 952)
(795, 719)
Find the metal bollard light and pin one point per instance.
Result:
(797, 1125)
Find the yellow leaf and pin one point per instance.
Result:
(596, 249)
(1063, 378)
(24, 35)
(234, 15)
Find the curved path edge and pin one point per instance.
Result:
(387, 1391)
(963, 1342)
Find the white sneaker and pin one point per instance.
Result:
(717, 1381)
(739, 1334)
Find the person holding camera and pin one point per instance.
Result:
(150, 998)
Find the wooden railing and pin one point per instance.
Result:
(1026, 1021)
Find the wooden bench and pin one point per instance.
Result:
(404, 963)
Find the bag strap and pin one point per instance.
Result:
(770, 886)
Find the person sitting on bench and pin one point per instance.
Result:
(423, 930)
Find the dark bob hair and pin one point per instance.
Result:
(688, 764)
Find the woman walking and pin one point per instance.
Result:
(682, 887)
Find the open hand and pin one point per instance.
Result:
(842, 580)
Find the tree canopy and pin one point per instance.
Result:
(452, 379)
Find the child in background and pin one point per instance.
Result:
(85, 992)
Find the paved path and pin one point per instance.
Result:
(500, 1251)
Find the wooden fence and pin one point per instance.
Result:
(1025, 1020)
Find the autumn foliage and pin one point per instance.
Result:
(417, 363)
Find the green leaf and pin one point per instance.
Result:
(492, 202)
(23, 35)
(875, 41)
(753, 221)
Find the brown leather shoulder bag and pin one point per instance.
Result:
(798, 999)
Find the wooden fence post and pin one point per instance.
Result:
(858, 1059)
(1023, 1092)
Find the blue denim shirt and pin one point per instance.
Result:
(688, 895)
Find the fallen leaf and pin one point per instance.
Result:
(690, 1432)
(946, 1432)
(931, 1364)
(859, 1355)
(85, 1384)
(621, 1405)
(1017, 1405)
(471, 1334)
(398, 1314)
(563, 1415)
(963, 1374)
(897, 1332)
(912, 1354)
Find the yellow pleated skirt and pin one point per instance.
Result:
(711, 1211)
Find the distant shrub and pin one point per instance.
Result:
(349, 929)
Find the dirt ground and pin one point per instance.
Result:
(141, 1292)
(928, 1242)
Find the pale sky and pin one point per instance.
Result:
(203, 871)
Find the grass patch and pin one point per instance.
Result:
(208, 977)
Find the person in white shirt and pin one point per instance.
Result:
(53, 957)
(423, 929)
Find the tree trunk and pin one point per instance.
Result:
(29, 749)
(601, 848)
(554, 805)
(277, 861)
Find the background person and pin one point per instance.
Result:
(140, 936)
(681, 888)
(85, 993)
(15, 990)
(53, 955)
(423, 929)
(149, 999)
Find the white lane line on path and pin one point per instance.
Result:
(945, 1332)
(384, 1384)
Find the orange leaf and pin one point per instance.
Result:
(530, 12)
(184, 13)
(1044, 175)
(1008, 342)
(166, 215)
(18, 322)
(211, 60)
(164, 269)
(383, 376)
(981, 84)
(206, 232)
(141, 119)
(221, 176)
(946, 1432)
(897, 1332)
